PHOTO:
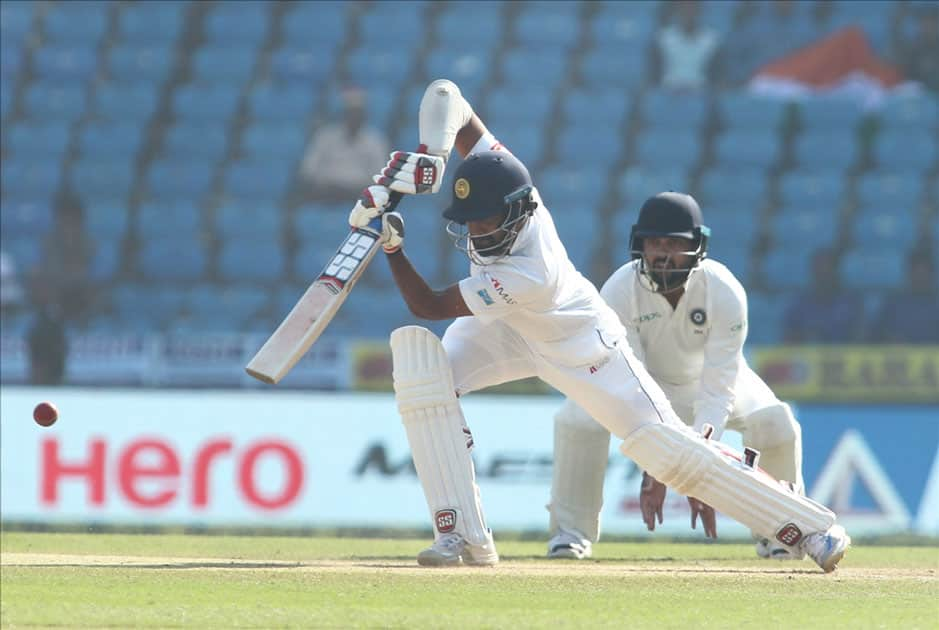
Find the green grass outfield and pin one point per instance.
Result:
(112, 580)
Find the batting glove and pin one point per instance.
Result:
(392, 232)
(412, 173)
(370, 204)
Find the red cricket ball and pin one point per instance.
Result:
(45, 414)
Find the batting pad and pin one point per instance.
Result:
(713, 473)
(581, 450)
(440, 441)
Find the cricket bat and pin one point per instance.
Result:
(319, 304)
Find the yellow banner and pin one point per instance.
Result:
(890, 374)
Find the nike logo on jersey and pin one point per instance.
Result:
(648, 317)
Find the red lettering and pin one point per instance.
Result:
(200, 470)
(131, 469)
(53, 470)
(293, 468)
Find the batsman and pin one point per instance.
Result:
(524, 311)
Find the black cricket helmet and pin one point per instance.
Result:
(669, 214)
(489, 184)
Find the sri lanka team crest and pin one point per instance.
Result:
(461, 188)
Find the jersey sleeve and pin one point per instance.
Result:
(488, 142)
(499, 290)
(617, 291)
(723, 354)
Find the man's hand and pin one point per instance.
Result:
(370, 204)
(651, 500)
(412, 173)
(708, 518)
(392, 232)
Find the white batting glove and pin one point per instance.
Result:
(373, 201)
(392, 232)
(412, 173)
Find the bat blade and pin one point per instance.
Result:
(319, 304)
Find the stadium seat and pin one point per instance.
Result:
(788, 265)
(601, 107)
(110, 140)
(627, 32)
(766, 312)
(242, 24)
(164, 219)
(747, 148)
(236, 221)
(742, 110)
(272, 102)
(665, 108)
(826, 151)
(638, 183)
(510, 105)
(125, 101)
(545, 67)
(244, 301)
(106, 260)
(532, 27)
(101, 179)
(726, 187)
(11, 62)
(24, 218)
(866, 268)
(132, 62)
(206, 103)
(589, 147)
(37, 139)
(252, 259)
(16, 20)
(65, 63)
(572, 191)
(830, 115)
(378, 67)
(469, 68)
(172, 179)
(884, 228)
(106, 221)
(281, 141)
(399, 25)
(152, 23)
(327, 19)
(24, 177)
(893, 190)
(906, 149)
(177, 256)
(607, 66)
(525, 140)
(257, 180)
(800, 227)
(811, 190)
(919, 112)
(206, 141)
(302, 67)
(219, 64)
(52, 101)
(661, 148)
(483, 32)
(80, 25)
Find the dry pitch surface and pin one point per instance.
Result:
(68, 580)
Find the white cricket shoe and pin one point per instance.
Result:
(569, 544)
(827, 548)
(452, 549)
(771, 550)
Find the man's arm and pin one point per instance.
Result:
(423, 301)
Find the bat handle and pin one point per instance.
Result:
(393, 200)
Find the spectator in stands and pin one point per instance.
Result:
(685, 53)
(911, 314)
(825, 313)
(342, 156)
(48, 346)
(11, 293)
(66, 259)
(919, 58)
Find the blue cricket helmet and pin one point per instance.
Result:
(486, 184)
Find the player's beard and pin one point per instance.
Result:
(665, 275)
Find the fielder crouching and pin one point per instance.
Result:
(526, 311)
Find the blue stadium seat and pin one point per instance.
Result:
(26, 252)
(111, 140)
(106, 261)
(106, 221)
(257, 180)
(880, 228)
(281, 141)
(216, 102)
(894, 190)
(799, 227)
(830, 115)
(131, 62)
(80, 25)
(824, 151)
(218, 64)
(302, 67)
(579, 228)
(765, 317)
(469, 68)
(483, 32)
(747, 148)
(866, 268)
(746, 111)
(603, 107)
(725, 187)
(732, 228)
(328, 20)
(180, 179)
(533, 27)
(308, 221)
(665, 148)
(607, 66)
(239, 24)
(401, 25)
(906, 149)
(788, 265)
(173, 257)
(50, 100)
(236, 221)
(54, 63)
(252, 259)
(207, 141)
(11, 62)
(733, 253)
(29, 138)
(100, 179)
(545, 67)
(811, 189)
(569, 190)
(244, 301)
(24, 177)
(589, 147)
(665, 108)
(6, 99)
(510, 105)
(636, 184)
(21, 219)
(127, 101)
(168, 218)
(646, 9)
(919, 112)
(16, 20)
(288, 102)
(152, 23)
(629, 32)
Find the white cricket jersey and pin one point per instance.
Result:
(699, 342)
(537, 292)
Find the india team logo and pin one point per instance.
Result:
(461, 188)
(698, 317)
